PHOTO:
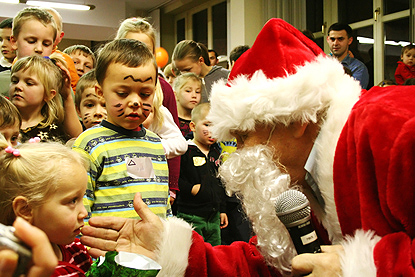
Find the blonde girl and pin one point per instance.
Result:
(192, 56)
(37, 184)
(36, 85)
(164, 116)
(10, 121)
(187, 88)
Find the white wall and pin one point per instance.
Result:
(97, 24)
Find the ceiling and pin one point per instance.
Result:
(146, 5)
(99, 24)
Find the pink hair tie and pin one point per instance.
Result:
(34, 140)
(13, 151)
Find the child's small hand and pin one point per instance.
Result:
(65, 92)
(195, 189)
(223, 220)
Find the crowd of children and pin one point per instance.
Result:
(81, 134)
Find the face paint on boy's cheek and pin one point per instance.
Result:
(146, 109)
(86, 116)
(119, 111)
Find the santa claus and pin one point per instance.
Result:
(293, 112)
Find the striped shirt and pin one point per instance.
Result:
(122, 163)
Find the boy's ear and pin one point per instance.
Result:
(13, 42)
(192, 126)
(78, 111)
(98, 90)
(21, 208)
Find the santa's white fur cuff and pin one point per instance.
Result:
(357, 259)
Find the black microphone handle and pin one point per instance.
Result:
(305, 238)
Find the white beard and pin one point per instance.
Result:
(252, 174)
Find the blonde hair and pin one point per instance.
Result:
(182, 80)
(158, 117)
(137, 25)
(38, 14)
(51, 78)
(200, 112)
(168, 71)
(55, 15)
(35, 174)
(9, 114)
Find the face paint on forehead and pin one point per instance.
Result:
(138, 80)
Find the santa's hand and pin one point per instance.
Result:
(44, 259)
(322, 264)
(121, 234)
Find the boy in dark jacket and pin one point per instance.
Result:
(202, 196)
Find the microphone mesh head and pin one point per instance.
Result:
(291, 206)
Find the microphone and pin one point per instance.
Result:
(293, 209)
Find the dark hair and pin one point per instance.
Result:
(190, 49)
(128, 52)
(407, 48)
(216, 54)
(237, 52)
(341, 26)
(409, 82)
(308, 34)
(7, 23)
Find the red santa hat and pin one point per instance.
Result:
(284, 77)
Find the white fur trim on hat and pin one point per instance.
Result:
(244, 103)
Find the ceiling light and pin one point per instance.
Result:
(78, 7)
(10, 1)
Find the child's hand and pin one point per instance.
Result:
(65, 92)
(223, 220)
(122, 234)
(195, 189)
(172, 196)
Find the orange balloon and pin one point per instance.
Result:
(162, 57)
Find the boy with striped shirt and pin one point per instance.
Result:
(125, 158)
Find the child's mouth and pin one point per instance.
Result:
(133, 116)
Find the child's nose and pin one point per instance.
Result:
(39, 49)
(83, 213)
(100, 112)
